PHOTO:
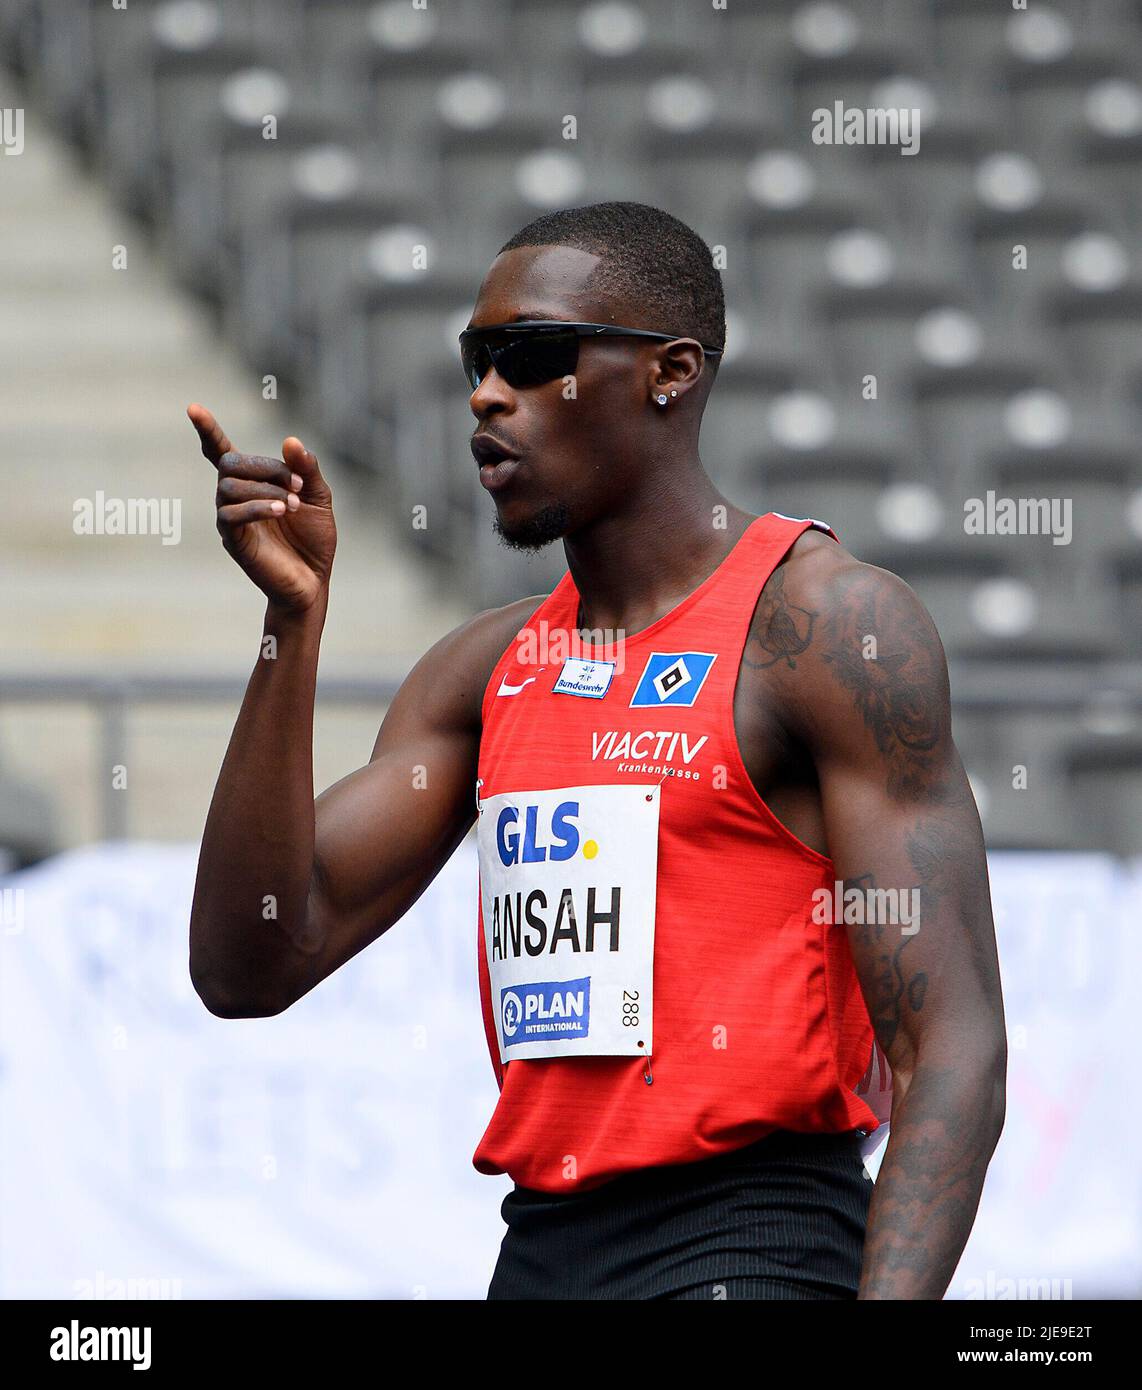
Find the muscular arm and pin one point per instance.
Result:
(289, 889)
(870, 703)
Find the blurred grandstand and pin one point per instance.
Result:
(396, 127)
(325, 1152)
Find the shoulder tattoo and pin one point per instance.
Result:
(780, 630)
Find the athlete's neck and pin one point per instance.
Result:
(634, 566)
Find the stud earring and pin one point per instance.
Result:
(661, 400)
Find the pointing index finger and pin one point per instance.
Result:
(213, 437)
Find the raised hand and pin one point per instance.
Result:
(275, 516)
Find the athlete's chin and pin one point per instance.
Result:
(534, 530)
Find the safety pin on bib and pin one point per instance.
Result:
(658, 786)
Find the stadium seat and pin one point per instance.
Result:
(702, 174)
(377, 337)
(1015, 207)
(961, 408)
(298, 260)
(161, 87)
(1101, 333)
(1012, 756)
(234, 185)
(871, 331)
(1104, 775)
(788, 247)
(840, 486)
(1126, 569)
(1096, 482)
(442, 127)
(747, 384)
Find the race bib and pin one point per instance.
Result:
(568, 879)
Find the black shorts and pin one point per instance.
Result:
(784, 1217)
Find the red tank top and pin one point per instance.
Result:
(758, 1019)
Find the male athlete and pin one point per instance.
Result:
(719, 852)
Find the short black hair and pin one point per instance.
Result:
(649, 259)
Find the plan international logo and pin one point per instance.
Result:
(551, 1009)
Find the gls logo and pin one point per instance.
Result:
(525, 848)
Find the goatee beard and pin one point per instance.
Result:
(537, 532)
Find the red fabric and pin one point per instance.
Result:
(759, 1022)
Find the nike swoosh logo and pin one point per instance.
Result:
(506, 689)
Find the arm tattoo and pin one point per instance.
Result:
(890, 985)
(945, 1124)
(933, 996)
(780, 630)
(950, 861)
(928, 1190)
(900, 692)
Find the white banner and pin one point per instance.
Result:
(148, 1149)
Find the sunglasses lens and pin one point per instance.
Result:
(475, 360)
(522, 359)
(533, 359)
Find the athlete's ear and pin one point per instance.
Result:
(673, 370)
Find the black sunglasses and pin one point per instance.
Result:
(532, 351)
